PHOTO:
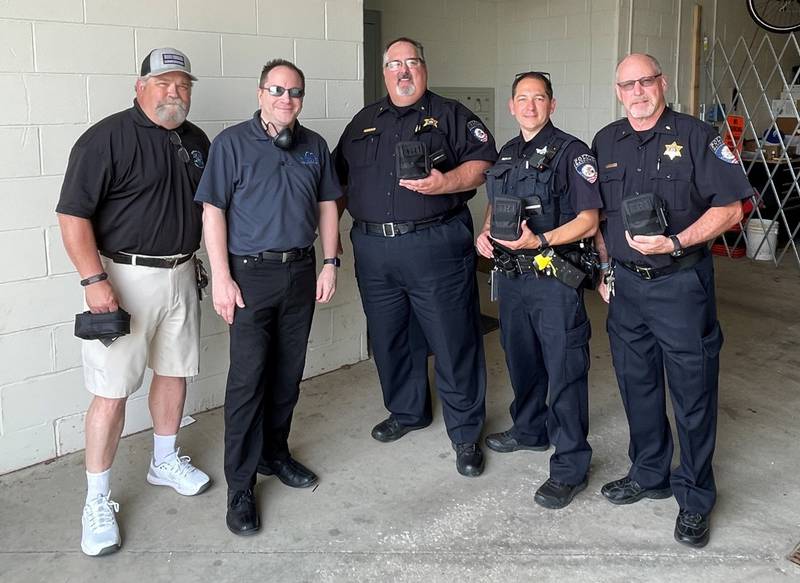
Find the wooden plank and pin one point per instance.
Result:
(694, 87)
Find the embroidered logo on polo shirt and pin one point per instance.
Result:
(310, 159)
(197, 159)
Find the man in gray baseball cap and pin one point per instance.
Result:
(131, 227)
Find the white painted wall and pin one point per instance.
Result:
(64, 65)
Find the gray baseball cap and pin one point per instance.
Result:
(166, 60)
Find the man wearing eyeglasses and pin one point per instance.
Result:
(545, 330)
(662, 314)
(269, 185)
(131, 228)
(412, 240)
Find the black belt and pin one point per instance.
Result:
(277, 256)
(679, 264)
(146, 261)
(395, 229)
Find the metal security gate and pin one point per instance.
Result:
(754, 96)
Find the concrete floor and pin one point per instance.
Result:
(401, 512)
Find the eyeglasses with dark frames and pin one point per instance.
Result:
(183, 153)
(277, 91)
(648, 81)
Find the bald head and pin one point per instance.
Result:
(640, 59)
(641, 88)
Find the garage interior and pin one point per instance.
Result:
(400, 511)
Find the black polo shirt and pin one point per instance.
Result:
(681, 159)
(271, 196)
(128, 178)
(365, 160)
(575, 175)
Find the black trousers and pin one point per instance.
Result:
(669, 324)
(268, 340)
(419, 290)
(545, 335)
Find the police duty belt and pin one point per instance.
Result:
(548, 263)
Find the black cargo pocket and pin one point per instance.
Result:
(611, 181)
(576, 353)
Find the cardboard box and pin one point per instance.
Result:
(787, 125)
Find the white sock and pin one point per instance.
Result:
(163, 447)
(98, 484)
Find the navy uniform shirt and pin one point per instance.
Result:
(575, 173)
(126, 176)
(270, 195)
(365, 159)
(682, 160)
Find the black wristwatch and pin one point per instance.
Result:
(335, 261)
(678, 251)
(543, 243)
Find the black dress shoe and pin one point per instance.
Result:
(505, 442)
(290, 472)
(469, 459)
(628, 491)
(692, 529)
(554, 494)
(242, 517)
(391, 429)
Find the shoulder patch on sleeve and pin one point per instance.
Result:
(586, 167)
(476, 128)
(722, 151)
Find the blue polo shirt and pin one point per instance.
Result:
(270, 196)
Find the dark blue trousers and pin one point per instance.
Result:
(268, 341)
(419, 290)
(545, 334)
(669, 324)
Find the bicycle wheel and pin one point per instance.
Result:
(781, 16)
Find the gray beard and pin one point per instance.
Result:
(406, 90)
(172, 112)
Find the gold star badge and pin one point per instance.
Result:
(673, 150)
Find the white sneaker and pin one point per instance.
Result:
(180, 475)
(100, 531)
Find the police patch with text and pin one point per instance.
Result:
(586, 166)
(476, 128)
(722, 151)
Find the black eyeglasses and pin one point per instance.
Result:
(648, 81)
(277, 91)
(183, 154)
(526, 73)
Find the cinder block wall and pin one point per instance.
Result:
(66, 64)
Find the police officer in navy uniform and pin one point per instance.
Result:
(414, 257)
(660, 288)
(544, 327)
(269, 185)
